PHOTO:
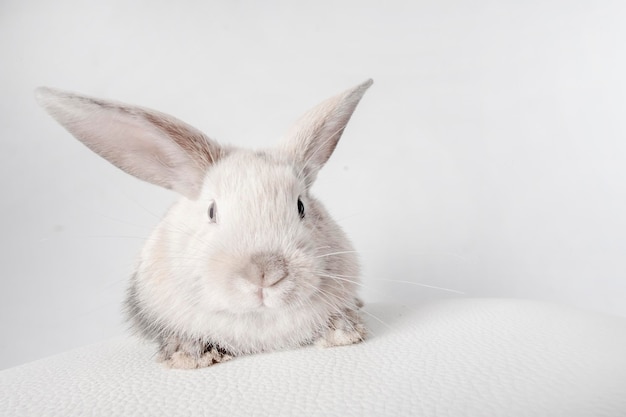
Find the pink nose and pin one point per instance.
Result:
(266, 269)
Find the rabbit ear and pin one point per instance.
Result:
(315, 135)
(150, 145)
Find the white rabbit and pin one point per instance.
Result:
(247, 260)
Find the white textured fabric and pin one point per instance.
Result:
(463, 357)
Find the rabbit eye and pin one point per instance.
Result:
(300, 208)
(212, 212)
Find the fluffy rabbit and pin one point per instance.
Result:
(247, 260)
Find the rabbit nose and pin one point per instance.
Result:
(267, 269)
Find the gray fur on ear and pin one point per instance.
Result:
(150, 145)
(313, 138)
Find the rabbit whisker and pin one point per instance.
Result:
(334, 254)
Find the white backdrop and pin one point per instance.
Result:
(489, 157)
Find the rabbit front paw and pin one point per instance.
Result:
(343, 329)
(178, 354)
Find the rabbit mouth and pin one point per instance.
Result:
(278, 295)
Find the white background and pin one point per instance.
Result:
(489, 157)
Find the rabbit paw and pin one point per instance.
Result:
(184, 360)
(344, 329)
(178, 354)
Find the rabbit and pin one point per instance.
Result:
(247, 260)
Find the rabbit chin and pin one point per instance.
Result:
(278, 318)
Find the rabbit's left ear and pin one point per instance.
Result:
(150, 145)
(313, 138)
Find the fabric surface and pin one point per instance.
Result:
(460, 357)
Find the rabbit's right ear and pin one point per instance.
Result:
(145, 143)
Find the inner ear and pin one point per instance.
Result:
(148, 144)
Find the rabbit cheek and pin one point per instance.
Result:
(217, 292)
